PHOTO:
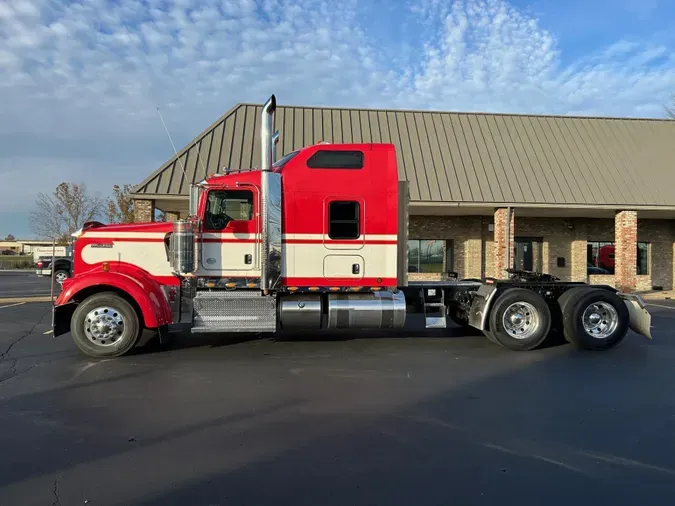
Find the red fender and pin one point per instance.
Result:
(140, 287)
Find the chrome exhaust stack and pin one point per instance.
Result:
(270, 188)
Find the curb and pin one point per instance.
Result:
(11, 300)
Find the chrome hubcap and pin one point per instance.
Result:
(104, 326)
(520, 320)
(61, 277)
(600, 320)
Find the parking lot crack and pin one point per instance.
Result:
(5, 356)
(55, 491)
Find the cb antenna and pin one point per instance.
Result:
(174, 147)
(171, 141)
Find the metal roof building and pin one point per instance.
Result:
(465, 166)
(458, 158)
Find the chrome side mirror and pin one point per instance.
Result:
(195, 192)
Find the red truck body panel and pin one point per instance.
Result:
(134, 257)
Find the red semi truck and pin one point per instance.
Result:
(315, 240)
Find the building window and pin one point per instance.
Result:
(426, 255)
(334, 159)
(344, 220)
(224, 206)
(600, 257)
(642, 258)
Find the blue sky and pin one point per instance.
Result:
(80, 80)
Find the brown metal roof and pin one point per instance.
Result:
(453, 157)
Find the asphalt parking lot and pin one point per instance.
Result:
(24, 284)
(419, 419)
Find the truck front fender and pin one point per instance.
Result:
(145, 292)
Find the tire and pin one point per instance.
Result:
(488, 333)
(61, 275)
(516, 307)
(603, 327)
(564, 299)
(103, 341)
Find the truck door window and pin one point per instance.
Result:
(344, 220)
(224, 206)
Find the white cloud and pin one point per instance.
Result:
(87, 75)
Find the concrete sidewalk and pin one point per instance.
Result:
(658, 295)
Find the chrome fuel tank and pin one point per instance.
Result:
(378, 310)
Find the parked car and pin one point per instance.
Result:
(592, 269)
(62, 269)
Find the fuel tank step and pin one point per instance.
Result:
(434, 308)
(234, 311)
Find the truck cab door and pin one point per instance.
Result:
(230, 233)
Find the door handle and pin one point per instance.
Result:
(248, 258)
(356, 268)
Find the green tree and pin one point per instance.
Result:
(120, 207)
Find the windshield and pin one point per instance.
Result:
(283, 161)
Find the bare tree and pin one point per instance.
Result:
(160, 216)
(10, 237)
(670, 109)
(120, 208)
(61, 213)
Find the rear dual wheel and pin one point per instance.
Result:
(593, 319)
(519, 320)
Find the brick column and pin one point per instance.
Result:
(625, 250)
(171, 216)
(144, 211)
(503, 239)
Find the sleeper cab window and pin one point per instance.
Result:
(224, 206)
(344, 220)
(336, 159)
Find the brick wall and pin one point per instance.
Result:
(625, 250)
(556, 241)
(566, 238)
(144, 211)
(464, 231)
(659, 235)
(172, 216)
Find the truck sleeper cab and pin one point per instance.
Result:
(316, 240)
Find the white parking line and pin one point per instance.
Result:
(659, 305)
(12, 305)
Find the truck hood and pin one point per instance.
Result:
(126, 227)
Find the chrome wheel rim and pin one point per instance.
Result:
(600, 320)
(104, 326)
(61, 277)
(520, 320)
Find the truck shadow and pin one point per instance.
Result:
(184, 339)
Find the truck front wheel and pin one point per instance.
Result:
(519, 320)
(105, 325)
(596, 319)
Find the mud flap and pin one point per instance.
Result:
(61, 316)
(640, 319)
